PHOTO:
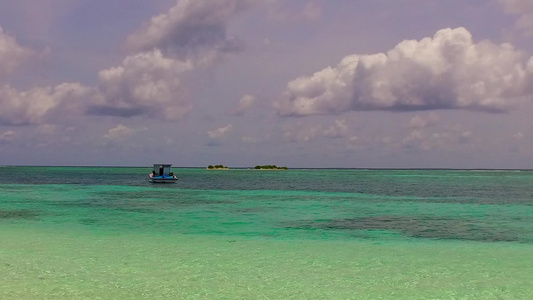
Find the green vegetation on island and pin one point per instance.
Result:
(270, 167)
(217, 167)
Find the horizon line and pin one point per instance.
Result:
(293, 168)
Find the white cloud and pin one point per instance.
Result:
(245, 103)
(190, 25)
(518, 135)
(303, 132)
(339, 129)
(428, 136)
(37, 105)
(119, 132)
(424, 121)
(11, 53)
(327, 91)
(220, 132)
(419, 139)
(146, 83)
(173, 51)
(42, 104)
(7, 137)
(447, 71)
(524, 9)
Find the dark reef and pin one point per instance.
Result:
(18, 214)
(416, 227)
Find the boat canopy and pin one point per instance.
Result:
(162, 170)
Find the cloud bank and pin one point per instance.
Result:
(170, 55)
(446, 71)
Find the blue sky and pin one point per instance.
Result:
(370, 84)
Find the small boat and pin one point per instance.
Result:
(162, 174)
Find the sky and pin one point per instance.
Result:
(302, 83)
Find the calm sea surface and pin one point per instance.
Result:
(107, 233)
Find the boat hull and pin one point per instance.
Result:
(163, 179)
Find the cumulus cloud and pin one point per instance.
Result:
(424, 121)
(524, 9)
(446, 71)
(170, 53)
(11, 53)
(301, 132)
(419, 139)
(327, 91)
(145, 83)
(518, 135)
(337, 130)
(7, 137)
(41, 104)
(169, 56)
(119, 132)
(191, 25)
(245, 103)
(426, 133)
(36, 105)
(220, 132)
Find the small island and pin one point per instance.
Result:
(270, 167)
(217, 167)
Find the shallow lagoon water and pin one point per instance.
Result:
(89, 233)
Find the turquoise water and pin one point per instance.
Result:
(90, 233)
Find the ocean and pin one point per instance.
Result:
(107, 233)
